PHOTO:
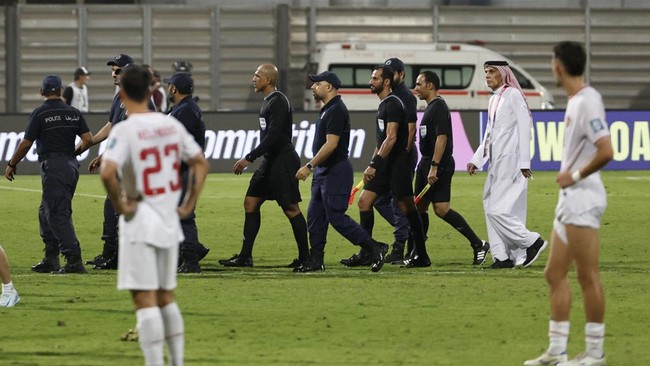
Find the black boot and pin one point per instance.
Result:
(74, 264)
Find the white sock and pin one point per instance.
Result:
(594, 339)
(150, 335)
(558, 335)
(8, 287)
(174, 332)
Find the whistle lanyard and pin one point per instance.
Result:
(491, 117)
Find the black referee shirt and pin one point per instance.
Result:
(409, 100)
(436, 121)
(391, 109)
(276, 126)
(54, 126)
(334, 119)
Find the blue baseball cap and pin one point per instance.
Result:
(395, 64)
(120, 60)
(182, 81)
(52, 83)
(328, 76)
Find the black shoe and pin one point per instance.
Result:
(480, 253)
(202, 251)
(99, 259)
(109, 264)
(377, 256)
(533, 251)
(360, 259)
(502, 264)
(396, 254)
(417, 262)
(76, 267)
(295, 263)
(309, 267)
(237, 261)
(47, 265)
(189, 268)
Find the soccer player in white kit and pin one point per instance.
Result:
(146, 151)
(582, 202)
(506, 146)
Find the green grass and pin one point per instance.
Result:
(449, 314)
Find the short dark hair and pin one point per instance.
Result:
(135, 82)
(431, 77)
(47, 93)
(572, 55)
(386, 72)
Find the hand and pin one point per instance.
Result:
(471, 168)
(527, 173)
(94, 165)
(184, 211)
(240, 166)
(432, 178)
(564, 179)
(9, 173)
(128, 207)
(303, 173)
(369, 174)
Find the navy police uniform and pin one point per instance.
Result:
(332, 181)
(54, 126)
(188, 112)
(436, 121)
(275, 177)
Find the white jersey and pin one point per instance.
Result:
(79, 97)
(584, 124)
(148, 149)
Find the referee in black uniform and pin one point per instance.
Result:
(390, 169)
(275, 178)
(188, 112)
(54, 126)
(333, 176)
(437, 165)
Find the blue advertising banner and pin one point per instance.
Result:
(630, 131)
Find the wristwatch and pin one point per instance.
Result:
(433, 163)
(310, 167)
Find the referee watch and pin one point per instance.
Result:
(434, 164)
(310, 167)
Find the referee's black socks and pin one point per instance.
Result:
(252, 222)
(415, 222)
(299, 226)
(367, 220)
(454, 219)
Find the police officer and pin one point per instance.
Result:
(54, 126)
(437, 165)
(180, 88)
(108, 258)
(333, 176)
(274, 179)
(390, 169)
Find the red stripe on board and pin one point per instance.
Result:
(364, 91)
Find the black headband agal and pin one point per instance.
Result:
(495, 63)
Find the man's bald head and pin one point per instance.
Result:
(269, 71)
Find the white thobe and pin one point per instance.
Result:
(506, 146)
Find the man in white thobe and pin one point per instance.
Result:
(506, 146)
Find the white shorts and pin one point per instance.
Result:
(143, 266)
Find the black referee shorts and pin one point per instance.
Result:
(275, 179)
(441, 190)
(394, 176)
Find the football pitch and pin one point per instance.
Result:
(452, 313)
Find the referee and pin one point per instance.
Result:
(390, 169)
(275, 178)
(437, 165)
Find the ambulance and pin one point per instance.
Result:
(459, 66)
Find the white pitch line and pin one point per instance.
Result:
(40, 191)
